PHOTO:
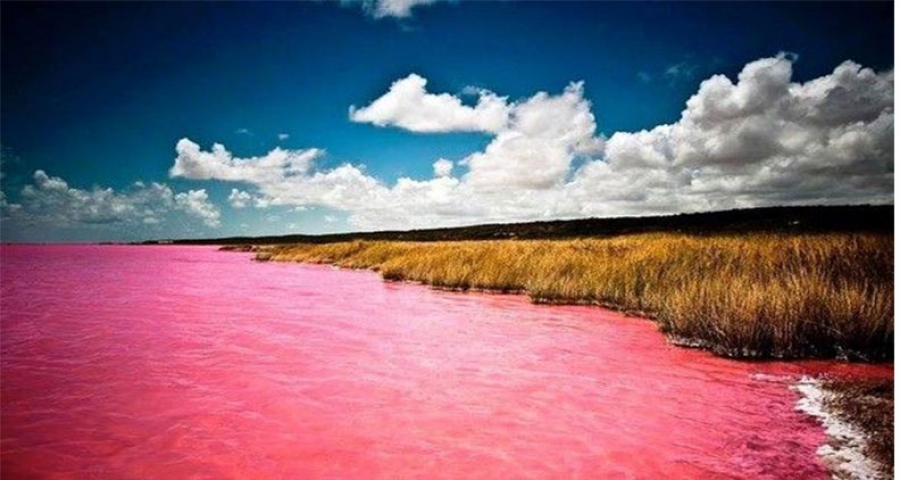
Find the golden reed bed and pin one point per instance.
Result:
(757, 295)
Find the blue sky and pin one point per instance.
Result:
(96, 96)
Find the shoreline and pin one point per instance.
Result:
(834, 402)
(738, 297)
(845, 452)
(851, 451)
(682, 342)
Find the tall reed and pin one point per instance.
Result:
(756, 295)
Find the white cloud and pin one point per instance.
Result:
(766, 140)
(197, 204)
(283, 136)
(51, 201)
(680, 71)
(534, 150)
(242, 199)
(537, 147)
(219, 164)
(239, 198)
(408, 105)
(762, 140)
(443, 167)
(392, 8)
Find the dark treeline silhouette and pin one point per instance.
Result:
(811, 219)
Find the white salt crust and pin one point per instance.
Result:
(843, 453)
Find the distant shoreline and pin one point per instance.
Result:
(800, 219)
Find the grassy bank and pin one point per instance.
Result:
(756, 295)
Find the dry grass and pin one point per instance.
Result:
(757, 295)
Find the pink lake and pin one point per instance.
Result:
(187, 362)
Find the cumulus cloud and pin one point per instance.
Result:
(50, 200)
(197, 204)
(219, 164)
(761, 139)
(242, 199)
(408, 105)
(535, 150)
(532, 151)
(443, 167)
(239, 198)
(767, 140)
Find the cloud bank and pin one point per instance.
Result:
(50, 201)
(760, 140)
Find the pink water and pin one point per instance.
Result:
(186, 362)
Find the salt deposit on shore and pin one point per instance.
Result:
(844, 452)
